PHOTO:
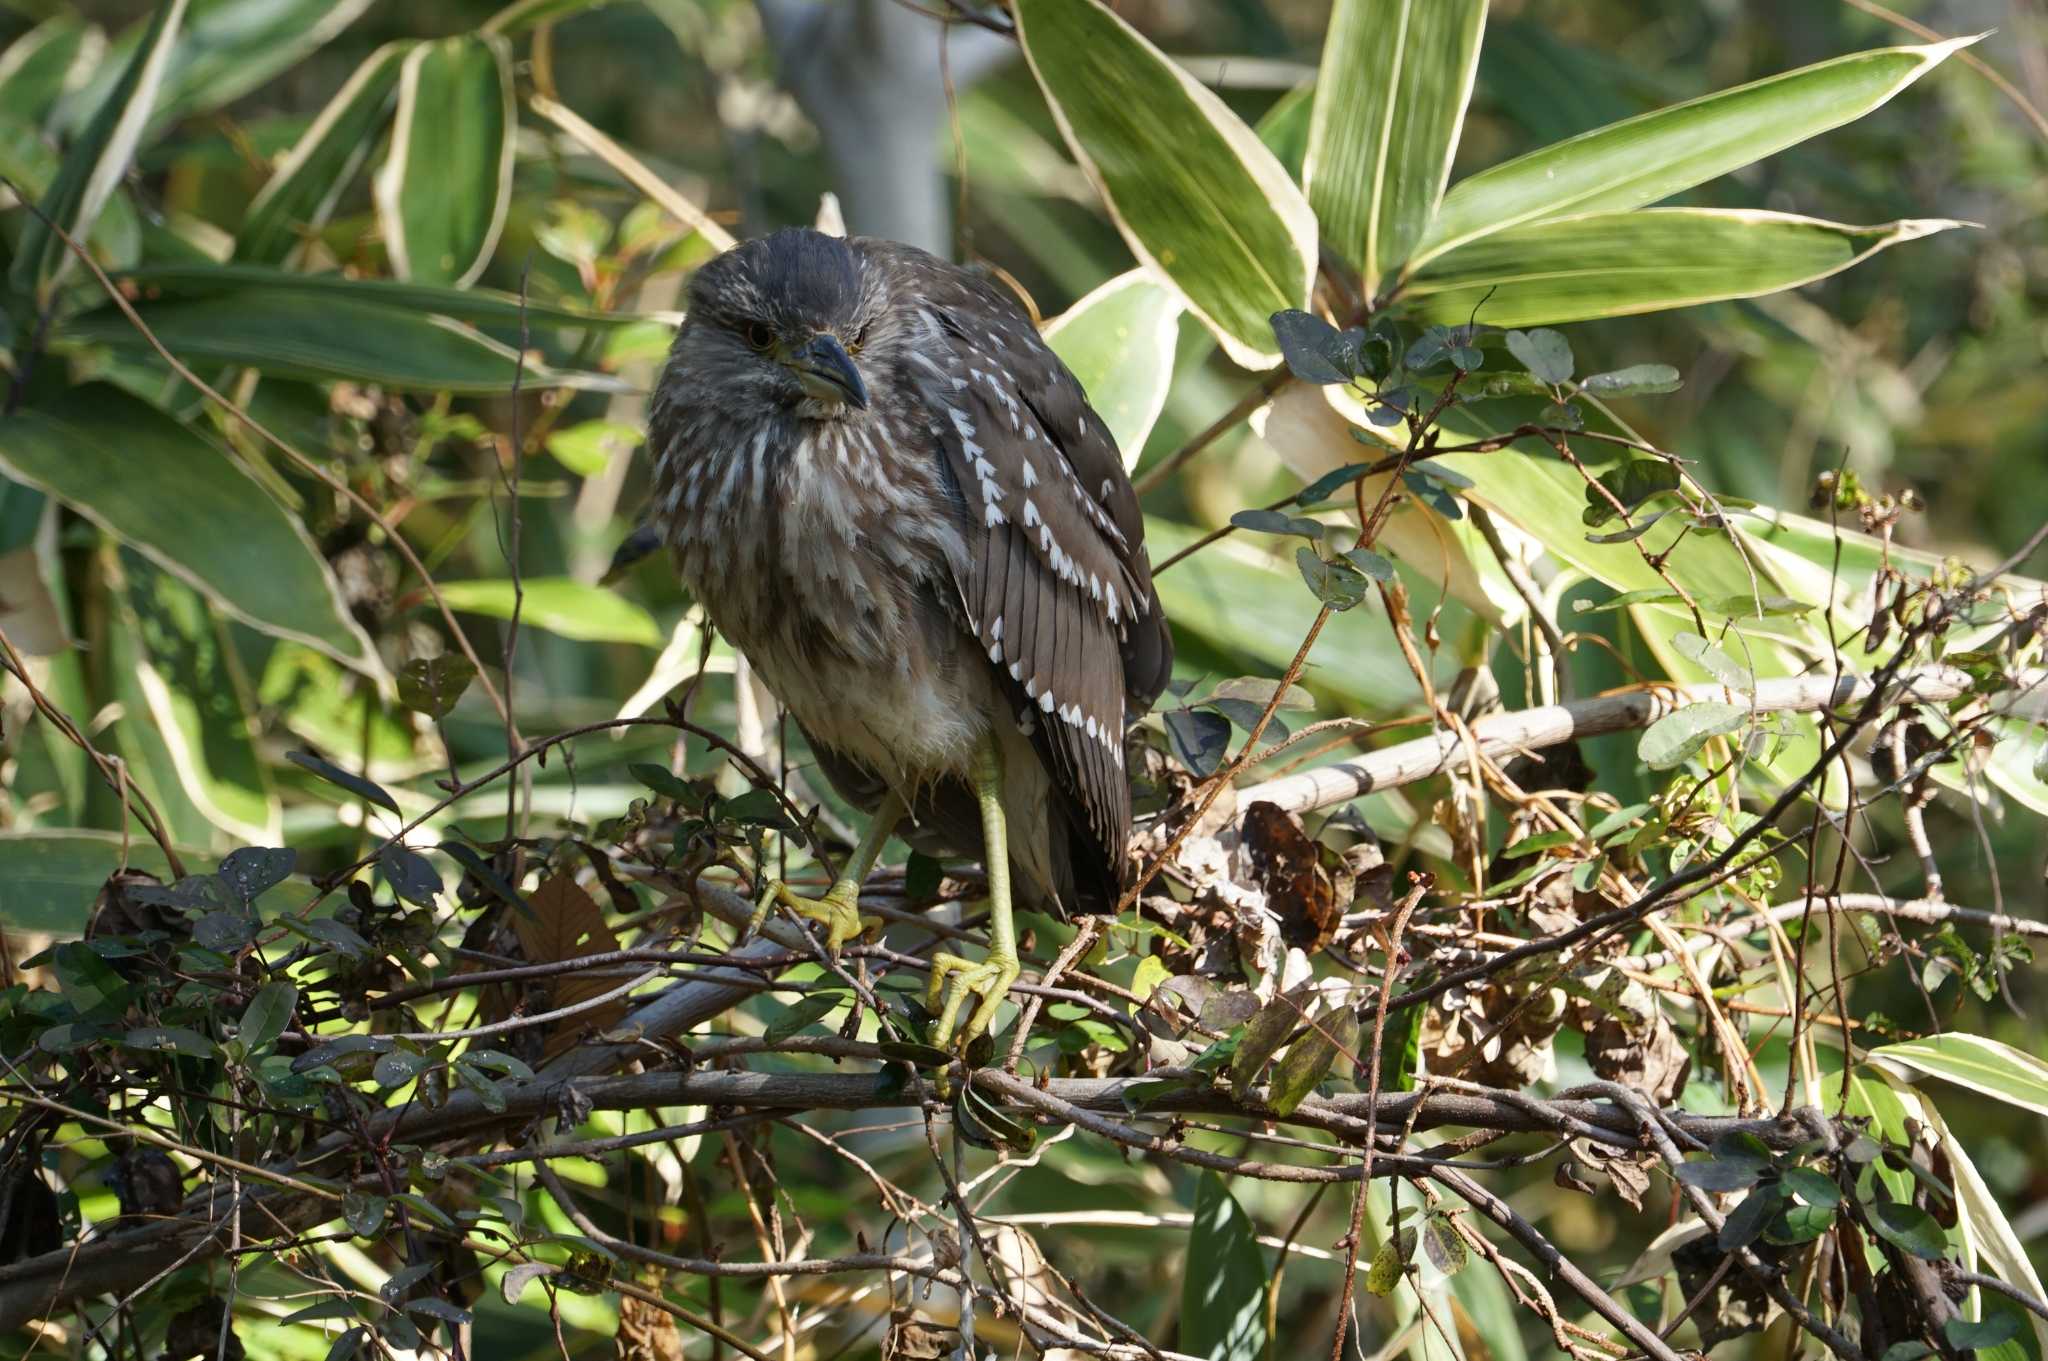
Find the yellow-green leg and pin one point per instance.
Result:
(839, 910)
(953, 977)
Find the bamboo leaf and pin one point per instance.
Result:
(1197, 196)
(302, 190)
(52, 876)
(195, 697)
(230, 47)
(446, 184)
(559, 605)
(297, 334)
(1644, 159)
(1615, 264)
(99, 158)
(40, 65)
(1978, 1062)
(1223, 1286)
(1389, 103)
(179, 500)
(1119, 341)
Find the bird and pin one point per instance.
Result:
(886, 490)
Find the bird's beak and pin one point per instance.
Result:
(826, 371)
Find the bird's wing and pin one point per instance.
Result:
(1054, 580)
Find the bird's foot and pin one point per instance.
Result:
(953, 980)
(838, 911)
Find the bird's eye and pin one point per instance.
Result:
(759, 334)
(860, 338)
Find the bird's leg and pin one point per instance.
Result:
(839, 909)
(953, 978)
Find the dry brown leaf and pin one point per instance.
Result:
(646, 1332)
(567, 923)
(1285, 864)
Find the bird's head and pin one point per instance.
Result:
(781, 320)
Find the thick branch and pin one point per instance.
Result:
(1554, 724)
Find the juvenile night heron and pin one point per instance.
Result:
(896, 501)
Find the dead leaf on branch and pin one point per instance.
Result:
(646, 1332)
(566, 924)
(911, 1338)
(1287, 866)
(1630, 1040)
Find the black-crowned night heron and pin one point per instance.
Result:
(896, 501)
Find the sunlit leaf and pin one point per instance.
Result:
(1223, 1285)
(1389, 102)
(1119, 342)
(559, 605)
(1641, 160)
(1978, 1062)
(1673, 739)
(1196, 194)
(1616, 264)
(444, 188)
(189, 684)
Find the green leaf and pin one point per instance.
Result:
(482, 306)
(411, 875)
(808, 1009)
(301, 192)
(52, 877)
(1975, 1061)
(333, 774)
(158, 1039)
(1631, 483)
(1119, 343)
(1277, 522)
(433, 685)
(1442, 1245)
(267, 1015)
(1911, 1228)
(1641, 160)
(1197, 196)
(363, 1213)
(446, 184)
(1338, 583)
(1309, 1059)
(1799, 1224)
(175, 669)
(1267, 1030)
(1619, 264)
(1975, 1334)
(1389, 102)
(588, 447)
(1714, 662)
(1635, 380)
(99, 158)
(1747, 1221)
(1223, 1285)
(41, 64)
(757, 808)
(249, 872)
(175, 497)
(1315, 351)
(1722, 1174)
(1813, 1186)
(1543, 352)
(560, 605)
(1673, 739)
(299, 335)
(230, 47)
(88, 982)
(1542, 841)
